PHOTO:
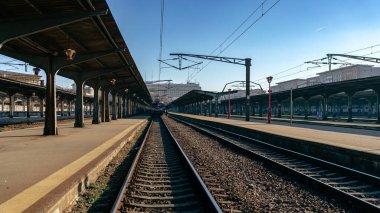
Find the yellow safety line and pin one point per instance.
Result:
(29, 196)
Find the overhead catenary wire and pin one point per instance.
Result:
(310, 68)
(263, 13)
(237, 28)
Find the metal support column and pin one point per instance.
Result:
(306, 109)
(216, 110)
(210, 108)
(324, 107)
(41, 106)
(369, 107)
(119, 106)
(201, 108)
(79, 116)
(62, 106)
(279, 109)
(32, 104)
(107, 106)
(113, 105)
(103, 105)
(128, 107)
(349, 105)
(50, 109)
(124, 106)
(69, 109)
(28, 105)
(95, 114)
(133, 107)
(11, 104)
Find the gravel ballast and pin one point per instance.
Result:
(101, 195)
(252, 185)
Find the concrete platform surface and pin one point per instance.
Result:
(341, 123)
(363, 143)
(32, 165)
(330, 128)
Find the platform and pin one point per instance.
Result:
(39, 170)
(361, 151)
(369, 124)
(21, 120)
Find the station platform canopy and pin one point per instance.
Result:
(326, 89)
(47, 33)
(195, 96)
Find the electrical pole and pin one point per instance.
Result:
(247, 87)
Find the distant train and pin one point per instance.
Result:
(157, 109)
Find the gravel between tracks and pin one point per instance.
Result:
(252, 184)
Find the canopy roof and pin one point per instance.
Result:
(198, 96)
(349, 86)
(39, 31)
(193, 96)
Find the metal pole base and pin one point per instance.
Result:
(95, 122)
(48, 131)
(78, 125)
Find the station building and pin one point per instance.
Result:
(335, 75)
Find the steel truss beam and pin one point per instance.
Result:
(59, 62)
(240, 61)
(27, 26)
(89, 74)
(363, 58)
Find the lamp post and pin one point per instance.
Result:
(269, 79)
(229, 104)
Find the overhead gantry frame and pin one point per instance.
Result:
(245, 62)
(331, 56)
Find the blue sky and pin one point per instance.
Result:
(293, 32)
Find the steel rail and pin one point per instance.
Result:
(208, 201)
(273, 154)
(209, 196)
(128, 179)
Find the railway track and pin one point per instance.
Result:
(350, 185)
(162, 179)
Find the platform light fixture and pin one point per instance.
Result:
(70, 54)
(113, 81)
